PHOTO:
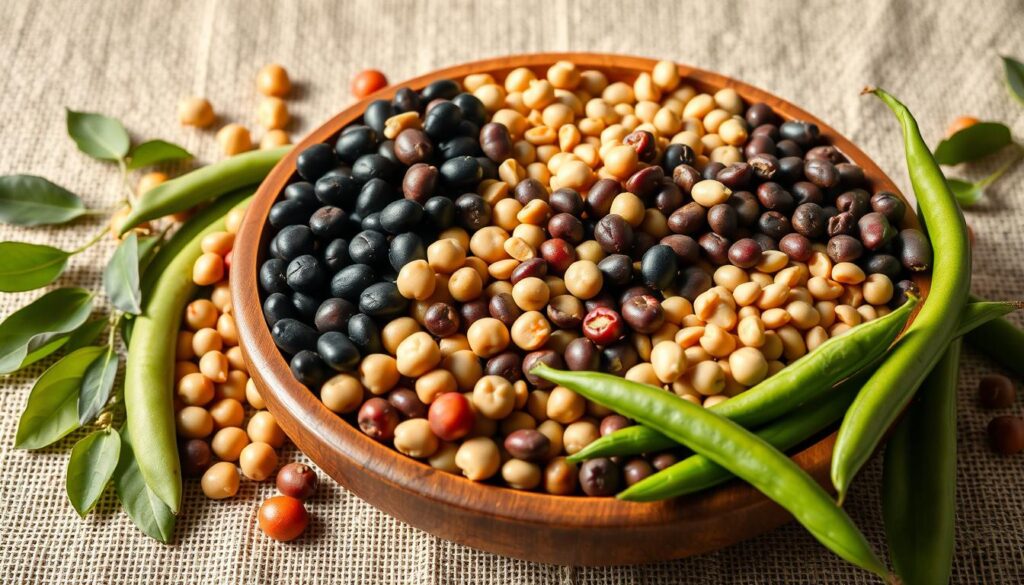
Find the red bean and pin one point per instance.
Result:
(451, 417)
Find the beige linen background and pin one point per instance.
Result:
(134, 60)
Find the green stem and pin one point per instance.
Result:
(124, 181)
(96, 238)
(1001, 170)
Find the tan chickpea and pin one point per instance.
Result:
(748, 311)
(263, 427)
(233, 221)
(669, 361)
(273, 80)
(195, 389)
(378, 373)
(772, 261)
(761, 278)
(492, 95)
(775, 318)
(502, 269)
(487, 337)
(699, 106)
(564, 405)
(342, 393)
(220, 481)
(214, 365)
(227, 329)
(252, 395)
(537, 404)
(445, 256)
(531, 293)
(494, 397)
(220, 296)
(848, 314)
(227, 412)
(233, 387)
(200, 314)
(397, 330)
(274, 139)
(503, 215)
(717, 341)
(867, 313)
(531, 330)
(195, 111)
(258, 461)
(847, 273)
(228, 443)
(583, 279)
(149, 181)
(820, 265)
(578, 435)
(194, 422)
(560, 477)
(234, 139)
(208, 269)
(183, 368)
(877, 289)
(621, 161)
(521, 475)
(417, 354)
(707, 378)
(465, 366)
(478, 458)
(689, 336)
(772, 348)
(642, 373)
(272, 113)
(792, 276)
(591, 251)
(488, 244)
(710, 192)
(413, 438)
(793, 345)
(465, 284)
(435, 383)
(733, 132)
(629, 207)
(444, 458)
(519, 79)
(452, 344)
(748, 366)
(416, 280)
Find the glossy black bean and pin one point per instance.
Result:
(723, 220)
(292, 336)
(614, 234)
(472, 212)
(774, 224)
(375, 166)
(675, 155)
(439, 213)
(508, 365)
(337, 190)
(581, 354)
(504, 308)
(736, 176)
(306, 305)
(338, 351)
(406, 100)
(690, 219)
(642, 241)
(288, 212)
(715, 247)
(420, 182)
(303, 192)
(315, 160)
(886, 264)
(599, 198)
(364, 333)
(791, 169)
(369, 247)
(566, 200)
(371, 223)
(382, 300)
(875, 231)
(328, 222)
(774, 197)
(441, 320)
(461, 171)
(309, 369)
(758, 114)
(796, 246)
(855, 201)
(809, 220)
(272, 276)
(333, 315)
(915, 250)
(786, 148)
(843, 248)
(294, 241)
(472, 108)
(842, 224)
(387, 150)
(355, 142)
(806, 192)
(405, 248)
(305, 274)
(659, 266)
(616, 269)
(850, 175)
(352, 280)
(374, 196)
(889, 205)
(401, 216)
(278, 306)
(745, 253)
(377, 113)
(442, 121)
(803, 133)
(459, 146)
(444, 89)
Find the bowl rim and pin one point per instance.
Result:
(303, 416)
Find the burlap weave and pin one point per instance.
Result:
(135, 59)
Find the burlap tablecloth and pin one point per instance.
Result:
(134, 60)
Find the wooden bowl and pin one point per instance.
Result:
(527, 525)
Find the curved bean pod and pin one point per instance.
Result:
(728, 444)
(1000, 340)
(204, 184)
(893, 384)
(149, 370)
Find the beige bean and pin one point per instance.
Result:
(847, 273)
(824, 289)
(793, 345)
(707, 378)
(815, 336)
(564, 405)
(772, 296)
(802, 314)
(775, 318)
(748, 366)
(717, 341)
(751, 332)
(877, 289)
(848, 314)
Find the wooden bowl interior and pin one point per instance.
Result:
(528, 525)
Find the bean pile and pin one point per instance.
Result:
(464, 233)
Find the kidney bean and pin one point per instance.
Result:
(875, 231)
(600, 196)
(529, 189)
(843, 248)
(791, 168)
(716, 247)
(603, 326)
(420, 182)
(567, 227)
(408, 403)
(745, 253)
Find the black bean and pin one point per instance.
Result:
(371, 223)
(659, 266)
(566, 200)
(546, 357)
(441, 320)
(369, 247)
(791, 168)
(736, 176)
(338, 351)
(306, 305)
(412, 146)
(689, 219)
(444, 89)
(614, 234)
(352, 280)
(618, 358)
(855, 201)
(599, 477)
(293, 336)
(716, 247)
(774, 224)
(442, 121)
(875, 231)
(375, 166)
(772, 196)
(806, 192)
(826, 152)
(337, 191)
(915, 250)
(759, 114)
(333, 315)
(328, 222)
(459, 146)
(803, 133)
(364, 333)
(309, 369)
(400, 216)
(377, 113)
(529, 189)
(723, 220)
(668, 198)
(461, 171)
(767, 242)
(314, 161)
(504, 308)
(900, 292)
(761, 145)
(745, 253)
(472, 212)
(886, 264)
(617, 269)
(581, 354)
(796, 246)
(675, 155)
(508, 365)
(599, 198)
(809, 220)
(272, 276)
(374, 196)
(685, 177)
(643, 143)
(850, 175)
(843, 248)
(889, 205)
(404, 249)
(288, 212)
(472, 108)
(305, 274)
(355, 142)
(420, 182)
(439, 213)
(693, 281)
(382, 300)
(406, 100)
(278, 306)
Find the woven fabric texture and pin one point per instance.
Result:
(135, 59)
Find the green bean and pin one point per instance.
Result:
(149, 370)
(893, 384)
(978, 313)
(696, 473)
(728, 444)
(919, 479)
(204, 184)
(803, 380)
(1002, 341)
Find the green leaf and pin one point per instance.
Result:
(121, 278)
(97, 385)
(972, 143)
(44, 350)
(148, 247)
(97, 135)
(29, 266)
(92, 464)
(31, 200)
(52, 409)
(146, 510)
(967, 193)
(1014, 77)
(40, 322)
(127, 326)
(154, 152)
(86, 334)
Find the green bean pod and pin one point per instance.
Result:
(728, 444)
(204, 184)
(893, 384)
(978, 313)
(1000, 340)
(805, 379)
(696, 473)
(149, 369)
(919, 479)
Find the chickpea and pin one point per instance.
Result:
(227, 329)
(234, 139)
(478, 458)
(233, 387)
(824, 289)
(220, 296)
(715, 400)
(733, 132)
(620, 161)
(751, 331)
(416, 280)
(775, 318)
(435, 383)
(444, 457)
(208, 269)
(342, 393)
(195, 111)
(252, 395)
(644, 374)
(378, 373)
(194, 422)
(258, 461)
(583, 279)
(494, 397)
(521, 475)
(452, 344)
(227, 412)
(417, 354)
(413, 438)
(699, 106)
(560, 477)
(228, 443)
(877, 289)
(263, 427)
(748, 366)
(487, 337)
(629, 207)
(710, 192)
(272, 113)
(772, 348)
(182, 369)
(531, 293)
(273, 80)
(233, 221)
(465, 366)
(578, 435)
(564, 405)
(195, 389)
(220, 481)
(397, 330)
(206, 340)
(273, 139)
(214, 365)
(531, 330)
(707, 378)
(668, 361)
(793, 345)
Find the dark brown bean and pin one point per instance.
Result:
(747, 207)
(529, 189)
(843, 248)
(774, 224)
(616, 269)
(712, 169)
(915, 250)
(412, 146)
(472, 312)
(689, 219)
(196, 457)
(1005, 435)
(566, 200)
(806, 192)
(773, 197)
(736, 176)
(760, 114)
(565, 311)
(612, 423)
(809, 220)
(745, 253)
(684, 246)
(796, 246)
(758, 145)
(643, 143)
(822, 173)
(614, 234)
(664, 460)
(581, 355)
(643, 313)
(618, 358)
(875, 231)
(558, 254)
(643, 182)
(408, 403)
(504, 308)
(791, 168)
(420, 182)
(599, 477)
(600, 196)
(528, 445)
(546, 357)
(715, 247)
(886, 264)
(767, 242)
(693, 281)
(534, 267)
(889, 205)
(508, 365)
(668, 198)
(636, 469)
(769, 129)
(850, 175)
(723, 220)
(855, 201)
(826, 152)
(786, 148)
(441, 320)
(685, 177)
(496, 142)
(764, 165)
(567, 227)
(842, 224)
(996, 391)
(378, 418)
